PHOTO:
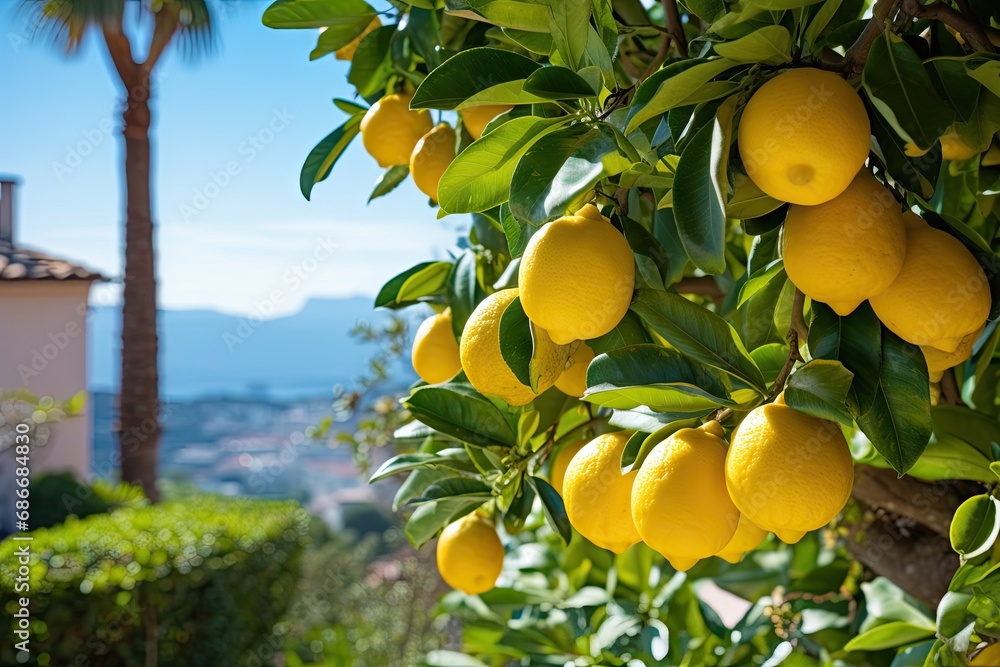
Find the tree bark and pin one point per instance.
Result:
(139, 425)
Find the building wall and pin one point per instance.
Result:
(43, 348)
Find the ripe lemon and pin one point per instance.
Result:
(748, 537)
(470, 555)
(941, 293)
(803, 136)
(938, 361)
(435, 350)
(431, 156)
(680, 504)
(576, 277)
(484, 364)
(390, 130)
(347, 52)
(561, 463)
(475, 119)
(848, 249)
(598, 496)
(988, 657)
(952, 147)
(787, 472)
(573, 381)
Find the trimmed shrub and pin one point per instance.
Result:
(57, 496)
(207, 577)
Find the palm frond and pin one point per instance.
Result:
(67, 21)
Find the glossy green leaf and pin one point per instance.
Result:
(558, 83)
(464, 291)
(389, 180)
(553, 507)
(430, 517)
(699, 333)
(318, 14)
(975, 526)
(889, 635)
(627, 332)
(371, 65)
(325, 154)
(470, 72)
(424, 273)
(459, 411)
(517, 342)
(820, 388)
(672, 87)
(451, 459)
(568, 22)
(771, 45)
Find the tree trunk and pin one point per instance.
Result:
(139, 425)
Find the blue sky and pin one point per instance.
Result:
(227, 248)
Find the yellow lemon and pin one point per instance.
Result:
(431, 156)
(680, 504)
(484, 364)
(988, 657)
(848, 249)
(953, 148)
(470, 555)
(561, 463)
(347, 52)
(938, 361)
(573, 381)
(390, 130)
(576, 276)
(940, 295)
(598, 496)
(748, 537)
(435, 350)
(475, 119)
(787, 472)
(803, 136)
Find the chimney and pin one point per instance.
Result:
(7, 187)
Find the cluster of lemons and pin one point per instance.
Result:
(804, 138)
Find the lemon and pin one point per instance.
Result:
(938, 361)
(347, 52)
(680, 504)
(470, 555)
(952, 147)
(940, 295)
(561, 463)
(484, 364)
(848, 249)
(576, 277)
(435, 350)
(573, 381)
(598, 496)
(748, 537)
(803, 136)
(390, 130)
(988, 657)
(787, 472)
(475, 119)
(431, 156)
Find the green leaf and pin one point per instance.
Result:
(917, 174)
(670, 397)
(699, 200)
(671, 87)
(389, 180)
(707, 10)
(350, 107)
(822, 19)
(771, 45)
(479, 178)
(461, 412)
(430, 517)
(456, 485)
(699, 333)
(371, 65)
(431, 281)
(415, 483)
(553, 507)
(890, 394)
(820, 389)
(975, 526)
(331, 14)
(558, 172)
(450, 459)
(889, 635)
(749, 201)
(464, 291)
(949, 457)
(641, 444)
(325, 154)
(902, 91)
(986, 72)
(424, 272)
(558, 83)
(440, 658)
(568, 22)
(517, 342)
(627, 332)
(781, 4)
(471, 72)
(760, 279)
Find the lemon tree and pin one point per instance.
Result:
(724, 317)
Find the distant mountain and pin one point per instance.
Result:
(207, 353)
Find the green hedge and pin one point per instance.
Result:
(209, 576)
(57, 496)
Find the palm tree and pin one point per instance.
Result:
(171, 20)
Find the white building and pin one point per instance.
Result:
(43, 349)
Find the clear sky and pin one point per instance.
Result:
(226, 248)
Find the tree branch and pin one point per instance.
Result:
(120, 50)
(854, 59)
(703, 286)
(164, 29)
(964, 22)
(672, 17)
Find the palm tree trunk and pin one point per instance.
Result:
(139, 425)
